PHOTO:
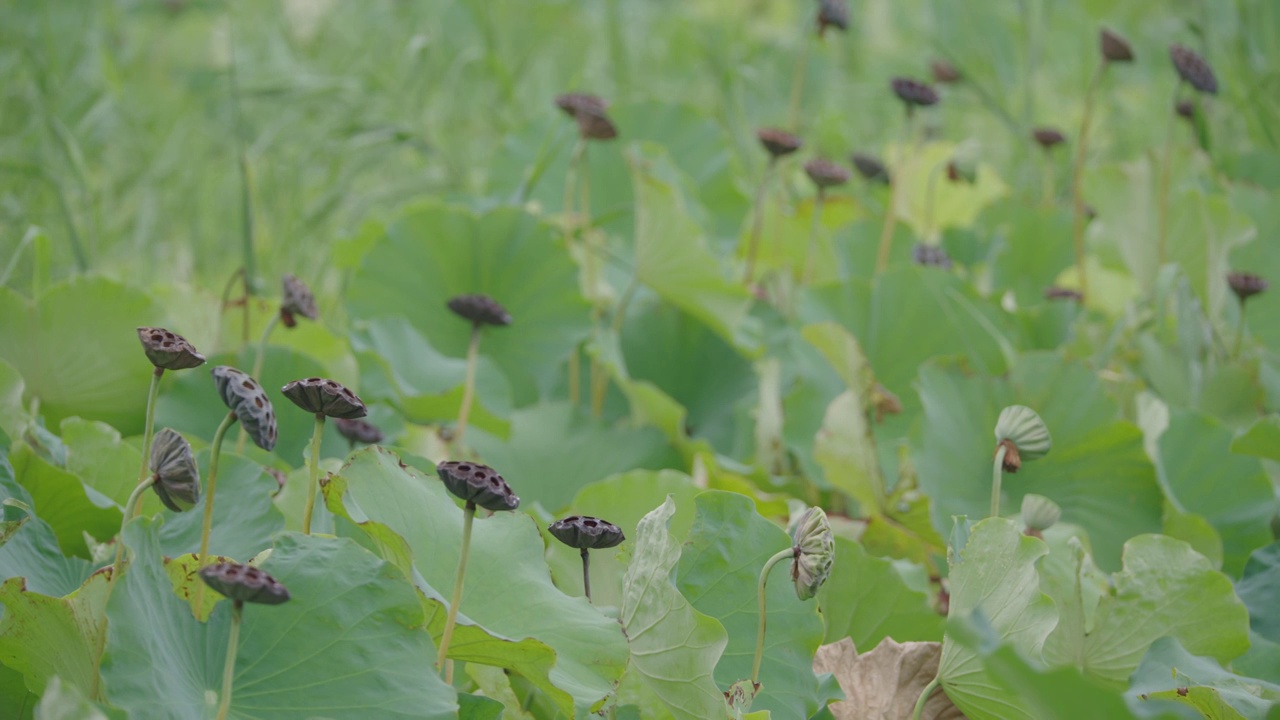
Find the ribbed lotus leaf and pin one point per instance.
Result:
(1246, 285)
(1114, 48)
(1021, 427)
(177, 480)
(246, 398)
(1193, 69)
(360, 431)
(778, 142)
(1039, 512)
(317, 395)
(479, 484)
(1048, 137)
(244, 583)
(479, 309)
(944, 72)
(913, 92)
(815, 552)
(168, 350)
(825, 173)
(870, 168)
(586, 533)
(297, 300)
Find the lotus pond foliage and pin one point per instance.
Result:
(597, 313)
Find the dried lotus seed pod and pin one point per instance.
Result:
(325, 397)
(246, 398)
(244, 583)
(479, 309)
(479, 484)
(177, 479)
(586, 533)
(168, 350)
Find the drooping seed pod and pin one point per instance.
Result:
(1039, 513)
(825, 173)
(1193, 69)
(870, 168)
(1114, 47)
(244, 583)
(359, 431)
(589, 112)
(778, 142)
(296, 300)
(246, 398)
(479, 309)
(1246, 285)
(167, 350)
(1023, 435)
(832, 13)
(325, 397)
(1054, 292)
(930, 256)
(944, 73)
(1048, 137)
(177, 479)
(479, 484)
(583, 532)
(814, 548)
(914, 93)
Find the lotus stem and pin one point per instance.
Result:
(757, 221)
(469, 385)
(152, 393)
(1077, 178)
(891, 212)
(997, 474)
(468, 515)
(262, 346)
(1239, 332)
(586, 573)
(815, 226)
(229, 667)
(214, 452)
(116, 567)
(226, 301)
(930, 196)
(797, 83)
(924, 698)
(570, 224)
(313, 484)
(1162, 211)
(575, 369)
(764, 578)
(1046, 181)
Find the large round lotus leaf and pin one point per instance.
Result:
(435, 252)
(76, 347)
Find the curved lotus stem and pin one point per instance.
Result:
(152, 393)
(468, 515)
(764, 578)
(314, 481)
(214, 452)
(229, 667)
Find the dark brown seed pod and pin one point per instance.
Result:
(825, 173)
(574, 103)
(1114, 48)
(246, 398)
(1048, 137)
(778, 142)
(167, 350)
(930, 256)
(914, 93)
(1193, 69)
(479, 309)
(1246, 285)
(479, 484)
(944, 73)
(1060, 293)
(870, 168)
(244, 583)
(296, 300)
(832, 13)
(596, 126)
(359, 431)
(325, 397)
(1186, 109)
(589, 112)
(177, 479)
(586, 533)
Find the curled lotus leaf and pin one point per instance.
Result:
(325, 397)
(246, 398)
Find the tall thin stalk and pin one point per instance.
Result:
(924, 698)
(1077, 175)
(1162, 211)
(215, 452)
(757, 221)
(229, 667)
(313, 483)
(469, 385)
(468, 515)
(586, 573)
(764, 579)
(997, 474)
(147, 432)
(246, 188)
(570, 225)
(895, 184)
(815, 226)
(797, 83)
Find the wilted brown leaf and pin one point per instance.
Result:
(885, 683)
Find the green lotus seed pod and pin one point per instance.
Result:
(244, 583)
(1024, 435)
(177, 480)
(1039, 513)
(815, 551)
(479, 484)
(326, 397)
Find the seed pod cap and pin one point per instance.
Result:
(1048, 137)
(479, 484)
(1039, 512)
(360, 431)
(586, 533)
(317, 395)
(479, 309)
(1246, 285)
(914, 93)
(1114, 47)
(296, 300)
(1021, 428)
(177, 479)
(244, 583)
(825, 173)
(246, 398)
(870, 168)
(778, 142)
(168, 350)
(1193, 69)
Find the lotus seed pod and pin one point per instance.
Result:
(297, 300)
(1039, 512)
(914, 93)
(1185, 109)
(1023, 435)
(1060, 293)
(596, 126)
(1193, 69)
(325, 397)
(825, 173)
(167, 350)
(479, 309)
(359, 431)
(832, 13)
(177, 480)
(1048, 137)
(586, 533)
(870, 168)
(778, 142)
(930, 256)
(944, 72)
(574, 103)
(245, 397)
(479, 484)
(815, 551)
(1114, 48)
(244, 583)
(589, 112)
(1246, 285)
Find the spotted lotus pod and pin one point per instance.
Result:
(297, 300)
(814, 552)
(586, 533)
(244, 583)
(870, 168)
(167, 350)
(589, 112)
(1246, 285)
(479, 484)
(1048, 137)
(1193, 69)
(1114, 48)
(574, 103)
(930, 256)
(325, 397)
(177, 479)
(778, 142)
(825, 173)
(834, 14)
(913, 93)
(359, 431)
(1039, 513)
(479, 309)
(246, 398)
(1023, 435)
